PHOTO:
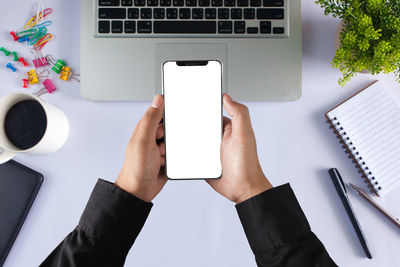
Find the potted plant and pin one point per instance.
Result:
(369, 36)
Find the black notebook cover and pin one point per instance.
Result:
(19, 186)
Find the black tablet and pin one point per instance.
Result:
(19, 186)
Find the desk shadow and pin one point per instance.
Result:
(340, 212)
(318, 39)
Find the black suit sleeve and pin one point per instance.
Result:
(278, 231)
(106, 231)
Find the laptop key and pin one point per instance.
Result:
(165, 2)
(191, 2)
(112, 13)
(177, 2)
(240, 27)
(223, 13)
(116, 26)
(249, 13)
(204, 2)
(152, 2)
(144, 26)
(145, 13)
(133, 13)
(184, 26)
(104, 26)
(265, 27)
(273, 3)
(211, 13)
(216, 2)
(252, 30)
(229, 3)
(158, 13)
(197, 13)
(236, 13)
(242, 2)
(130, 26)
(270, 13)
(127, 3)
(224, 26)
(172, 13)
(255, 3)
(108, 2)
(140, 2)
(279, 30)
(184, 13)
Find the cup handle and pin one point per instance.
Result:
(5, 155)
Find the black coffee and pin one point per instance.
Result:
(25, 124)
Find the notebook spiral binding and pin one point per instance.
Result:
(349, 148)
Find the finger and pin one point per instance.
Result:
(160, 132)
(240, 115)
(162, 162)
(151, 119)
(227, 126)
(161, 148)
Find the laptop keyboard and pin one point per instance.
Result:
(187, 18)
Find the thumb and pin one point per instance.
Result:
(152, 118)
(241, 122)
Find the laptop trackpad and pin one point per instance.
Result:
(172, 52)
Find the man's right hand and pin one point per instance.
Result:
(242, 176)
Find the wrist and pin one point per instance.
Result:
(261, 186)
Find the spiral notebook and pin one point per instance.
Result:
(368, 125)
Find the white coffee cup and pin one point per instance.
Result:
(55, 135)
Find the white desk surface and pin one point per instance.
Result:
(190, 224)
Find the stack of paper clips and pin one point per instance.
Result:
(35, 36)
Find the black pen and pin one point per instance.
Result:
(341, 190)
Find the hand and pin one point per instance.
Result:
(142, 173)
(242, 176)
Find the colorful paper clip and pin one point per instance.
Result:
(22, 60)
(67, 74)
(33, 76)
(40, 60)
(5, 51)
(12, 33)
(44, 24)
(28, 32)
(43, 41)
(26, 83)
(15, 54)
(11, 67)
(35, 38)
(23, 39)
(33, 21)
(48, 88)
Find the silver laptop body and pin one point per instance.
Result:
(122, 60)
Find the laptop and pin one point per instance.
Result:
(124, 44)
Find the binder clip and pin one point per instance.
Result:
(33, 76)
(12, 33)
(16, 58)
(48, 87)
(11, 67)
(22, 60)
(26, 83)
(40, 60)
(5, 51)
(57, 65)
(67, 74)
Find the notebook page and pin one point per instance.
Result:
(371, 123)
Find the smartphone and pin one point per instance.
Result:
(192, 119)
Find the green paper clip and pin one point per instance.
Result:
(41, 32)
(58, 66)
(5, 51)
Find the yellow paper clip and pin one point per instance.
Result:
(66, 74)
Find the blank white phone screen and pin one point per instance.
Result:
(193, 120)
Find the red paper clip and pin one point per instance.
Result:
(22, 60)
(12, 33)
